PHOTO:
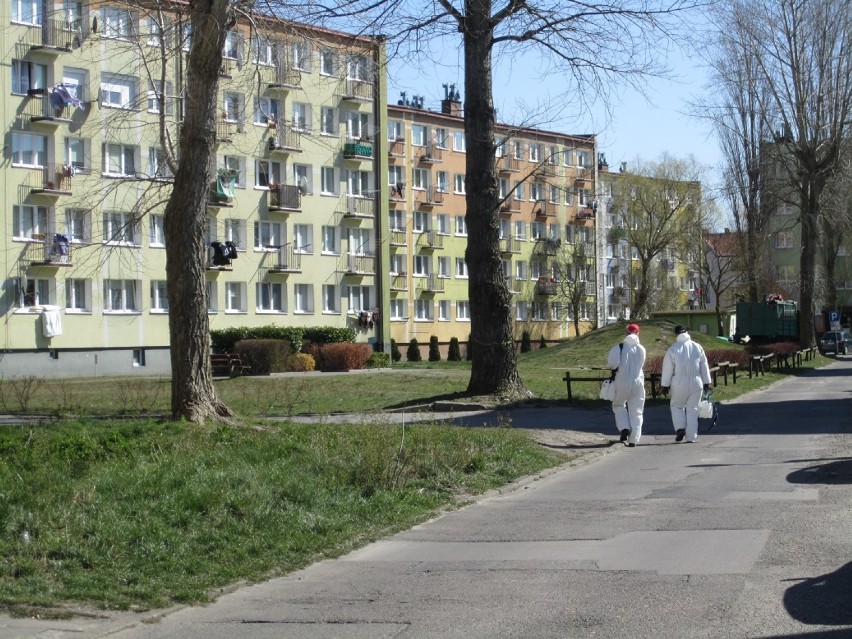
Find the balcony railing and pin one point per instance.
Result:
(57, 35)
(431, 240)
(225, 130)
(399, 282)
(587, 213)
(361, 90)
(397, 237)
(544, 208)
(432, 196)
(510, 205)
(509, 245)
(48, 249)
(282, 77)
(508, 164)
(431, 153)
(285, 140)
(285, 197)
(53, 179)
(46, 105)
(360, 265)
(547, 245)
(360, 150)
(545, 286)
(287, 260)
(430, 284)
(396, 148)
(358, 206)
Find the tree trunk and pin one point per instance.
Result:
(193, 395)
(807, 262)
(494, 365)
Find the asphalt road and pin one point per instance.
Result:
(745, 534)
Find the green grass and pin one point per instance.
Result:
(145, 514)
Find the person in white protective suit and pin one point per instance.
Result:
(687, 373)
(628, 359)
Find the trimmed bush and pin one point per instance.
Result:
(225, 340)
(329, 334)
(526, 344)
(396, 355)
(264, 355)
(301, 362)
(413, 353)
(379, 360)
(342, 356)
(454, 352)
(542, 343)
(434, 350)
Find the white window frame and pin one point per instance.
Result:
(235, 297)
(462, 311)
(29, 150)
(121, 296)
(119, 160)
(330, 299)
(156, 232)
(29, 220)
(303, 299)
(78, 295)
(270, 297)
(121, 228)
(159, 296)
(268, 236)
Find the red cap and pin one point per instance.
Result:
(633, 329)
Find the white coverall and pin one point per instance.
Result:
(629, 399)
(685, 372)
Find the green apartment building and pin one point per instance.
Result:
(297, 214)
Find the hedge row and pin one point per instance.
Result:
(224, 340)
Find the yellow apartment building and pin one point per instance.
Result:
(547, 216)
(297, 211)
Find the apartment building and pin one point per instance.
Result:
(296, 214)
(547, 217)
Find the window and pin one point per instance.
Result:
(539, 311)
(396, 130)
(518, 150)
(358, 182)
(358, 68)
(537, 191)
(77, 154)
(418, 135)
(29, 220)
(303, 238)
(397, 310)
(442, 138)
(29, 150)
(443, 224)
(119, 160)
(118, 91)
(212, 297)
(554, 194)
(444, 267)
(567, 156)
(441, 182)
(459, 143)
(582, 159)
(538, 230)
(461, 226)
(536, 152)
(359, 242)
(520, 231)
(330, 299)
(155, 33)
(397, 264)
(330, 240)
(121, 228)
(785, 239)
(301, 56)
(463, 311)
(233, 107)
(158, 101)
(553, 155)
(303, 298)
(421, 222)
(270, 297)
(186, 36)
(420, 179)
(78, 225)
(520, 191)
(521, 270)
(444, 311)
(521, 310)
(422, 265)
(396, 220)
(359, 298)
(358, 125)
(263, 51)
(116, 22)
(35, 292)
(556, 312)
(503, 186)
(461, 268)
(27, 11)
(231, 48)
(267, 236)
(235, 231)
(459, 184)
(156, 236)
(234, 165)
(78, 295)
(328, 62)
(302, 178)
(28, 75)
(301, 117)
(328, 121)
(396, 175)
(328, 181)
(121, 296)
(235, 297)
(423, 309)
(159, 296)
(265, 110)
(158, 168)
(266, 173)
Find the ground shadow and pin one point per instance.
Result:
(835, 471)
(824, 600)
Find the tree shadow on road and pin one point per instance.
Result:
(824, 600)
(836, 471)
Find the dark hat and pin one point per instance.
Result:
(633, 329)
(680, 329)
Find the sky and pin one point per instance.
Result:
(636, 127)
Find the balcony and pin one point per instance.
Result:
(49, 106)
(361, 150)
(357, 90)
(510, 205)
(585, 214)
(508, 164)
(399, 282)
(360, 265)
(226, 129)
(432, 196)
(583, 178)
(544, 209)
(430, 240)
(546, 286)
(287, 260)
(510, 245)
(221, 194)
(284, 140)
(357, 207)
(397, 237)
(396, 148)
(52, 180)
(547, 245)
(47, 249)
(430, 154)
(430, 284)
(285, 197)
(281, 78)
(56, 36)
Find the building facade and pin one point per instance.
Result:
(297, 212)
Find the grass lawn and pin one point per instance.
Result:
(141, 512)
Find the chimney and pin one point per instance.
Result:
(451, 104)
(603, 165)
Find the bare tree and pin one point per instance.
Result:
(658, 203)
(836, 224)
(589, 47)
(574, 280)
(722, 269)
(803, 55)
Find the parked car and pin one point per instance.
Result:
(837, 342)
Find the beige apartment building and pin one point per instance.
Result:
(296, 215)
(547, 216)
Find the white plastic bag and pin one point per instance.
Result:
(608, 390)
(705, 409)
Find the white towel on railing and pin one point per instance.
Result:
(51, 320)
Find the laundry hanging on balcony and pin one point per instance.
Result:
(225, 183)
(63, 95)
(51, 320)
